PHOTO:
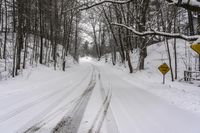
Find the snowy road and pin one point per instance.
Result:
(137, 111)
(89, 98)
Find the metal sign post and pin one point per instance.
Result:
(164, 69)
(196, 48)
(163, 79)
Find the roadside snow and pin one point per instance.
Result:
(179, 93)
(138, 102)
(40, 97)
(136, 110)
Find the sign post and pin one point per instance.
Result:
(163, 78)
(196, 48)
(164, 69)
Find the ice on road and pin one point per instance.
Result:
(88, 98)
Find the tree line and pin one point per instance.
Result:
(33, 30)
(47, 31)
(135, 24)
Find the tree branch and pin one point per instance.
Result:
(105, 1)
(89, 5)
(157, 33)
(192, 5)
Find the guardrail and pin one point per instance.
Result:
(191, 75)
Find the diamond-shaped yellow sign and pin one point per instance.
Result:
(196, 48)
(164, 68)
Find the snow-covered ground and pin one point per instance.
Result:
(40, 97)
(179, 93)
(133, 109)
(97, 97)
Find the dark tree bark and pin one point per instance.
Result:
(5, 30)
(141, 27)
(41, 32)
(20, 34)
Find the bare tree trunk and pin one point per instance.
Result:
(46, 52)
(175, 60)
(198, 34)
(19, 40)
(143, 45)
(170, 61)
(119, 20)
(25, 51)
(76, 40)
(114, 55)
(56, 33)
(5, 32)
(41, 32)
(190, 20)
(14, 55)
(14, 20)
(175, 49)
(2, 20)
(128, 45)
(1, 13)
(129, 61)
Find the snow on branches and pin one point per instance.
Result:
(88, 5)
(195, 38)
(193, 5)
(102, 2)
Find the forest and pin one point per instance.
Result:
(47, 31)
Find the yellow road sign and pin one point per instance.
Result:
(196, 48)
(164, 68)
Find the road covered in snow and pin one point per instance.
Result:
(88, 98)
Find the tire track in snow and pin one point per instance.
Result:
(51, 116)
(36, 89)
(36, 127)
(100, 117)
(105, 110)
(27, 106)
(71, 123)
